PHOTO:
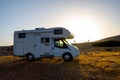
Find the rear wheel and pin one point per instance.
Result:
(30, 57)
(67, 57)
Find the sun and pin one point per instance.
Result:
(84, 29)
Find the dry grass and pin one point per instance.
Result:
(107, 63)
(102, 66)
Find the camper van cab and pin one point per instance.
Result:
(42, 42)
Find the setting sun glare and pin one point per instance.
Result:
(84, 29)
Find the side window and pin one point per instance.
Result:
(60, 44)
(45, 40)
(58, 31)
(21, 35)
(57, 43)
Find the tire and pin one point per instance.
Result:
(30, 57)
(67, 57)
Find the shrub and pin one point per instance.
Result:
(106, 44)
(108, 50)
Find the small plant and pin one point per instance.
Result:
(106, 44)
(108, 50)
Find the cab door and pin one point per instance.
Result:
(59, 48)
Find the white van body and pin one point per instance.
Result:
(42, 42)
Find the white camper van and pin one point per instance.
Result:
(43, 42)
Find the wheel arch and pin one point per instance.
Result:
(28, 54)
(66, 53)
(69, 55)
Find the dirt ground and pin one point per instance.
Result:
(15, 68)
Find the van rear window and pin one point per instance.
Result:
(58, 31)
(21, 35)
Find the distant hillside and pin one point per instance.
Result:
(5, 50)
(113, 38)
(108, 42)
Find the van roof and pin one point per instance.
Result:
(66, 34)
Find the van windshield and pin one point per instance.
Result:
(61, 43)
(66, 42)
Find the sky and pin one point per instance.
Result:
(86, 19)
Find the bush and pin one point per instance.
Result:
(108, 49)
(106, 44)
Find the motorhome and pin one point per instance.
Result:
(44, 42)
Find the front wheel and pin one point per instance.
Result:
(30, 57)
(67, 57)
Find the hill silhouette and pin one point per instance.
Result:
(106, 44)
(113, 41)
(113, 38)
